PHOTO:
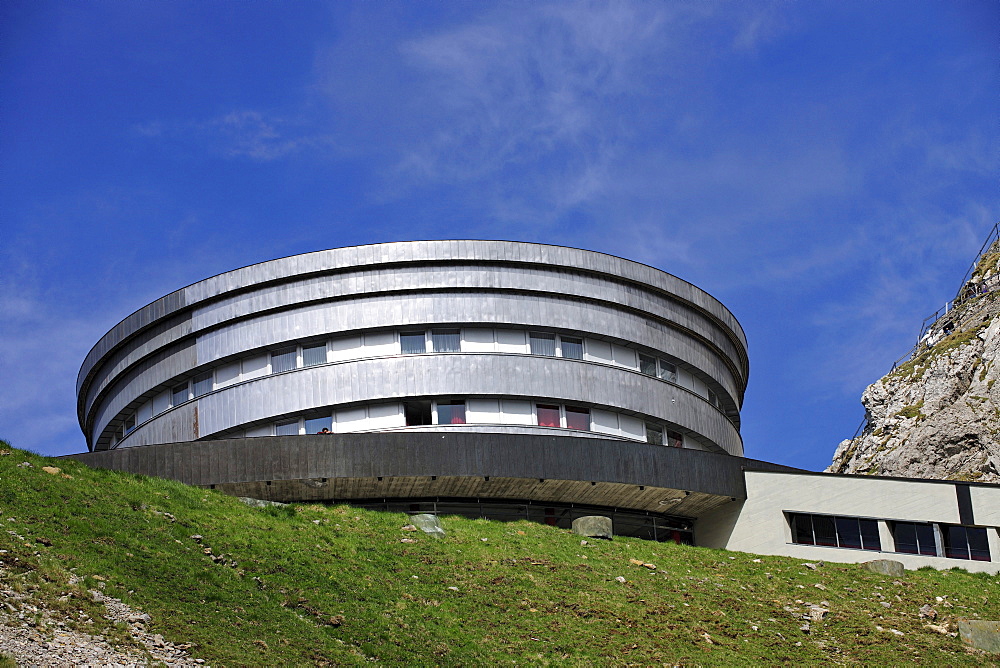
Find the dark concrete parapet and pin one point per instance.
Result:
(342, 467)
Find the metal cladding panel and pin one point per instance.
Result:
(163, 334)
(462, 462)
(455, 374)
(125, 364)
(142, 379)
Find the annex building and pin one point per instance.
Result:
(498, 379)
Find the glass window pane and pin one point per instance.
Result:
(925, 539)
(202, 384)
(290, 428)
(675, 439)
(412, 343)
(577, 418)
(179, 394)
(548, 416)
(572, 348)
(668, 371)
(446, 341)
(451, 412)
(542, 344)
(979, 544)
(314, 355)
(283, 360)
(130, 423)
(802, 529)
(321, 425)
(905, 536)
(824, 530)
(848, 532)
(869, 535)
(654, 434)
(647, 365)
(417, 413)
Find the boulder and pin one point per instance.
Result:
(593, 526)
(429, 524)
(260, 503)
(885, 567)
(981, 634)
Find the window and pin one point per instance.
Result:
(830, 531)
(283, 360)
(451, 412)
(203, 384)
(417, 413)
(542, 344)
(668, 371)
(647, 365)
(548, 416)
(654, 434)
(317, 425)
(965, 542)
(446, 341)
(578, 418)
(287, 428)
(314, 355)
(913, 538)
(412, 343)
(675, 439)
(179, 394)
(572, 348)
(713, 398)
(130, 423)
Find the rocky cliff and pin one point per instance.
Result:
(938, 415)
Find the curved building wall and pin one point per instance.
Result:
(616, 349)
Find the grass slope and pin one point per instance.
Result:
(316, 584)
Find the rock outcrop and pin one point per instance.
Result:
(938, 415)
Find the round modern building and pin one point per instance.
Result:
(459, 371)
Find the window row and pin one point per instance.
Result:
(417, 413)
(935, 540)
(411, 342)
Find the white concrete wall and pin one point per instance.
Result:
(759, 524)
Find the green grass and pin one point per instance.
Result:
(318, 585)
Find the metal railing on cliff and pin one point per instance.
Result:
(966, 291)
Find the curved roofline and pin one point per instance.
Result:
(90, 361)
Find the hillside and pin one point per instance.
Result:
(228, 584)
(938, 415)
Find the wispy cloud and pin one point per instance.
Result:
(244, 133)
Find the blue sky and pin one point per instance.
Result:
(826, 169)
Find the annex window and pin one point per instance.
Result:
(312, 355)
(647, 365)
(965, 542)
(675, 439)
(542, 344)
(130, 423)
(446, 340)
(287, 428)
(830, 531)
(451, 412)
(179, 394)
(202, 384)
(572, 348)
(668, 371)
(578, 418)
(914, 538)
(654, 434)
(412, 343)
(283, 360)
(417, 413)
(548, 415)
